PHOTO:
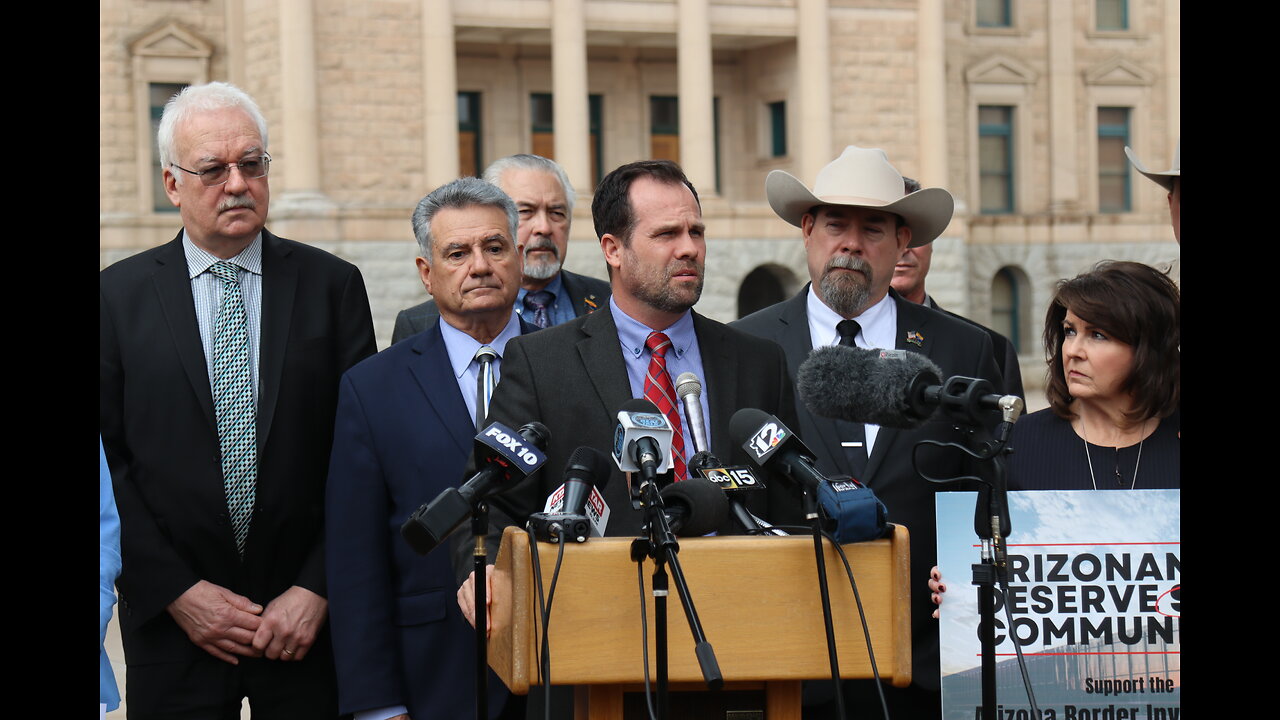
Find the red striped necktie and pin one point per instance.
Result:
(659, 390)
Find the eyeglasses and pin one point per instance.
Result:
(253, 167)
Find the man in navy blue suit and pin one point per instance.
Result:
(406, 423)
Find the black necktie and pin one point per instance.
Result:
(852, 432)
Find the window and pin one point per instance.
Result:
(992, 13)
(995, 159)
(469, 158)
(1113, 167)
(664, 128)
(542, 124)
(778, 128)
(1004, 307)
(158, 95)
(1112, 14)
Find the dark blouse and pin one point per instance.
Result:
(1048, 455)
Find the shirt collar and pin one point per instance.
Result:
(555, 287)
(462, 347)
(199, 260)
(878, 322)
(632, 333)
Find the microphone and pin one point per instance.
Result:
(690, 391)
(893, 388)
(731, 480)
(642, 440)
(772, 446)
(853, 510)
(504, 456)
(586, 470)
(694, 506)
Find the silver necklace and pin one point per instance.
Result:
(1119, 478)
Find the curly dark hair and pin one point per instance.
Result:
(1135, 304)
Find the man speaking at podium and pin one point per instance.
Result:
(574, 377)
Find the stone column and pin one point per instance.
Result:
(300, 133)
(569, 84)
(693, 72)
(439, 94)
(813, 63)
(932, 95)
(1064, 121)
(1173, 70)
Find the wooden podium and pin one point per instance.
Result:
(757, 598)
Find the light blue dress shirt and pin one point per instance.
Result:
(561, 308)
(108, 571)
(684, 356)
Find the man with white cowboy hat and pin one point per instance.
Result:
(1170, 180)
(856, 222)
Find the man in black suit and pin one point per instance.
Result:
(220, 358)
(549, 295)
(908, 279)
(576, 376)
(856, 223)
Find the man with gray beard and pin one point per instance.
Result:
(549, 295)
(856, 223)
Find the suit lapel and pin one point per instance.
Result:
(720, 371)
(821, 434)
(913, 324)
(578, 295)
(601, 355)
(434, 374)
(279, 288)
(173, 286)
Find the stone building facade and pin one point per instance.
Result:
(1015, 106)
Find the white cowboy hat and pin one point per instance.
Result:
(1163, 179)
(862, 177)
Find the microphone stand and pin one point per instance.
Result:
(479, 529)
(990, 519)
(810, 505)
(661, 545)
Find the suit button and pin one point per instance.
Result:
(221, 518)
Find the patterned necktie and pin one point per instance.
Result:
(659, 390)
(233, 402)
(540, 301)
(484, 383)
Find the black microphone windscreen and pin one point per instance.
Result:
(639, 405)
(536, 433)
(745, 422)
(705, 506)
(590, 466)
(858, 385)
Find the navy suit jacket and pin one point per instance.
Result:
(588, 294)
(402, 435)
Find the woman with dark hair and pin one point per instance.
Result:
(1112, 341)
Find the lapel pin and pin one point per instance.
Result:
(590, 302)
(915, 338)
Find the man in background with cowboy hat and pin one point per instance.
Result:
(1170, 180)
(856, 223)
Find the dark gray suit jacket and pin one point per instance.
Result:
(572, 378)
(1006, 356)
(160, 433)
(587, 294)
(958, 348)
